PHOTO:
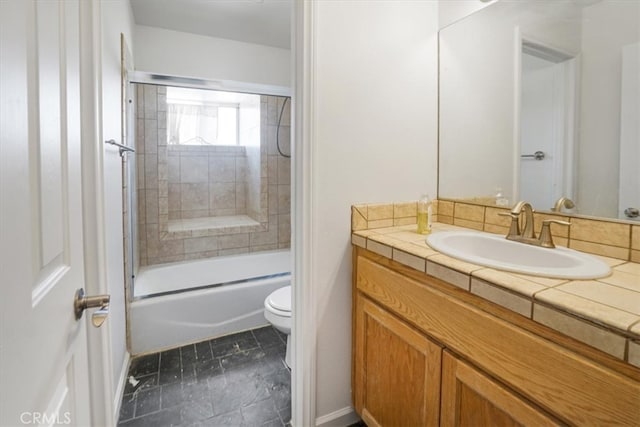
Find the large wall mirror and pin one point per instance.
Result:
(540, 100)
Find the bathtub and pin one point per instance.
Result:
(180, 303)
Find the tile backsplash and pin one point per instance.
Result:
(612, 239)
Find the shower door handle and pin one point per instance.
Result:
(82, 302)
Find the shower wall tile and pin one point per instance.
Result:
(222, 169)
(173, 165)
(150, 171)
(163, 188)
(177, 183)
(163, 172)
(263, 248)
(284, 228)
(233, 241)
(222, 195)
(237, 251)
(140, 135)
(241, 169)
(200, 213)
(140, 171)
(200, 244)
(241, 197)
(150, 101)
(150, 136)
(284, 171)
(194, 169)
(142, 207)
(151, 200)
(264, 237)
(284, 199)
(175, 198)
(273, 198)
(194, 196)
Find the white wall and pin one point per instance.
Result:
(608, 26)
(449, 11)
(117, 18)
(190, 55)
(375, 139)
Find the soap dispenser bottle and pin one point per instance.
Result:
(424, 215)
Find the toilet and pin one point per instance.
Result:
(277, 310)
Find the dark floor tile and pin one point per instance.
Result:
(188, 354)
(171, 395)
(267, 337)
(273, 360)
(170, 367)
(285, 414)
(358, 424)
(282, 335)
(228, 395)
(241, 358)
(147, 401)
(203, 350)
(208, 369)
(127, 407)
(170, 359)
(196, 392)
(279, 386)
(276, 422)
(164, 418)
(233, 418)
(259, 413)
(144, 365)
(189, 373)
(192, 412)
(143, 383)
(230, 344)
(190, 386)
(169, 376)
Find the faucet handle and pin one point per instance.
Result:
(546, 240)
(514, 228)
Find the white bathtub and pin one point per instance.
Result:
(179, 303)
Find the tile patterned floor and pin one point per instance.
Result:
(237, 380)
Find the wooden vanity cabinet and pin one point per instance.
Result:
(398, 371)
(427, 354)
(470, 398)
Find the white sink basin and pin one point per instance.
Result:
(497, 252)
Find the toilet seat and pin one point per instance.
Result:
(279, 302)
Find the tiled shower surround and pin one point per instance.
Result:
(205, 201)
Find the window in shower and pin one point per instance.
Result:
(206, 117)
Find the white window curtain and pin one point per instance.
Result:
(192, 124)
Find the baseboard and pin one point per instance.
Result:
(122, 382)
(340, 418)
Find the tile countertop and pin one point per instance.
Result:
(603, 313)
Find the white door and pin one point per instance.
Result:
(43, 353)
(542, 131)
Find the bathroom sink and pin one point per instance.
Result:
(497, 252)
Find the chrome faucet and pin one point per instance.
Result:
(527, 234)
(563, 202)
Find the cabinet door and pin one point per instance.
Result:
(397, 381)
(470, 398)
